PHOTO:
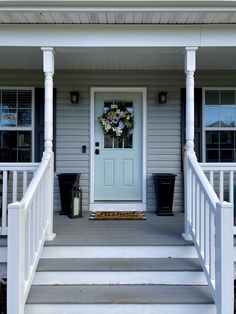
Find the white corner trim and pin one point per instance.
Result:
(131, 205)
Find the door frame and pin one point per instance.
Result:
(133, 205)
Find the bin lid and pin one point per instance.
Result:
(61, 175)
(164, 174)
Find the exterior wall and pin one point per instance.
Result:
(164, 121)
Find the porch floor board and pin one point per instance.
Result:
(154, 231)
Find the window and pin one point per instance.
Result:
(16, 124)
(220, 125)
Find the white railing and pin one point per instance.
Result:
(223, 180)
(28, 224)
(14, 180)
(210, 223)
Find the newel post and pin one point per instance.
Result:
(190, 67)
(16, 259)
(48, 68)
(224, 259)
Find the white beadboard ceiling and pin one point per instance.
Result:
(118, 58)
(119, 17)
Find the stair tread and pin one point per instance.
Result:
(119, 264)
(122, 294)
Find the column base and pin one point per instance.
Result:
(187, 237)
(50, 237)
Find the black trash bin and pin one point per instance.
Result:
(66, 182)
(164, 185)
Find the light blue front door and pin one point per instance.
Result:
(118, 162)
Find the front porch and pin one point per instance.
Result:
(28, 220)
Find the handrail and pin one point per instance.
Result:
(14, 180)
(28, 226)
(210, 223)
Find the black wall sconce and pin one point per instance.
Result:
(74, 97)
(162, 97)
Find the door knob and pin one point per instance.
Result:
(97, 151)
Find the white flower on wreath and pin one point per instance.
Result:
(118, 131)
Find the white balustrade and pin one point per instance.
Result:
(222, 177)
(28, 227)
(14, 180)
(210, 223)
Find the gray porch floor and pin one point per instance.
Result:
(155, 230)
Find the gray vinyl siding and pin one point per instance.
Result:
(163, 121)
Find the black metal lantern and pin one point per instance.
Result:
(162, 97)
(74, 97)
(76, 208)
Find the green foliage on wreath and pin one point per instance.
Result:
(117, 121)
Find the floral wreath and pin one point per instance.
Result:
(117, 121)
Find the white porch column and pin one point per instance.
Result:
(190, 66)
(48, 68)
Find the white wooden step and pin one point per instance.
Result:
(104, 299)
(119, 252)
(170, 271)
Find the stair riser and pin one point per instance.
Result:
(118, 309)
(122, 277)
(119, 252)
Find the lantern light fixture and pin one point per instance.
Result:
(74, 97)
(162, 97)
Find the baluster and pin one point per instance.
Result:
(221, 192)
(193, 202)
(37, 227)
(212, 178)
(32, 230)
(25, 181)
(14, 192)
(28, 246)
(201, 222)
(212, 246)
(4, 199)
(231, 187)
(197, 211)
(206, 233)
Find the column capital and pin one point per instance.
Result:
(48, 59)
(190, 59)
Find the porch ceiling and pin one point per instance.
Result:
(118, 58)
(118, 12)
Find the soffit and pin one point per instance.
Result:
(118, 12)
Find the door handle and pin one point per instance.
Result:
(97, 151)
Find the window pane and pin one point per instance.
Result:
(212, 116)
(226, 140)
(9, 98)
(212, 155)
(15, 146)
(227, 118)
(8, 146)
(212, 97)
(212, 140)
(227, 97)
(108, 141)
(118, 142)
(227, 155)
(128, 141)
(24, 99)
(24, 117)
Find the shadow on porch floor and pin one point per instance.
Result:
(155, 230)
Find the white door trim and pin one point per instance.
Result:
(93, 206)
